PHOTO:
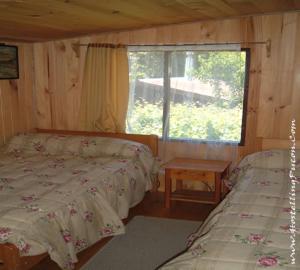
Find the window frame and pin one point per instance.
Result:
(166, 104)
(245, 98)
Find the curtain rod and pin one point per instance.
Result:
(267, 43)
(179, 44)
(106, 45)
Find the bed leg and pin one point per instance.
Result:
(156, 184)
(9, 257)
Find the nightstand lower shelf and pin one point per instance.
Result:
(192, 195)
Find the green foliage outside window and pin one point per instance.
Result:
(188, 122)
(223, 67)
(217, 120)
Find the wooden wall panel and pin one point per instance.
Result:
(59, 72)
(274, 83)
(278, 86)
(33, 20)
(16, 98)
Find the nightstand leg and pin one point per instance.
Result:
(217, 187)
(168, 189)
(224, 188)
(179, 185)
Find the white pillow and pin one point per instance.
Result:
(105, 146)
(27, 143)
(16, 143)
(270, 159)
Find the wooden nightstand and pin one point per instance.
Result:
(182, 169)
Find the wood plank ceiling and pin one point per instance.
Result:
(42, 20)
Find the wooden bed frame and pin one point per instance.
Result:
(9, 253)
(266, 144)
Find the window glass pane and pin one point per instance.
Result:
(145, 108)
(206, 95)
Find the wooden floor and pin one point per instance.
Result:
(152, 205)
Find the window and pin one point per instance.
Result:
(186, 94)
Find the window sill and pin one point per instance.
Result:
(198, 141)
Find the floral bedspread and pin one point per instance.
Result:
(251, 228)
(61, 194)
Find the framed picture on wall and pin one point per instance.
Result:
(9, 64)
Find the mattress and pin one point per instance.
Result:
(61, 194)
(257, 225)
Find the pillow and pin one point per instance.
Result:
(105, 146)
(35, 143)
(55, 144)
(86, 146)
(27, 143)
(16, 143)
(270, 159)
(73, 145)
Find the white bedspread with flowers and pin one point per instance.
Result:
(250, 229)
(60, 194)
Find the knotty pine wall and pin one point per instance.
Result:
(274, 94)
(16, 97)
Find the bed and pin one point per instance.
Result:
(60, 192)
(255, 226)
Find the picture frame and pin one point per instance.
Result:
(9, 62)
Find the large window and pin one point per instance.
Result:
(183, 94)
